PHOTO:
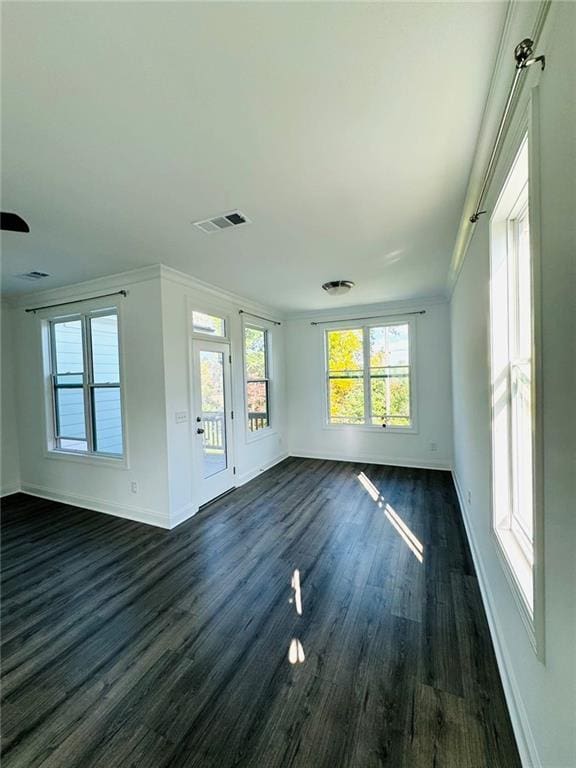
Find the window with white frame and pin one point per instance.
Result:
(210, 325)
(368, 373)
(512, 374)
(85, 379)
(257, 371)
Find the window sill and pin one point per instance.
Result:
(519, 574)
(371, 428)
(87, 458)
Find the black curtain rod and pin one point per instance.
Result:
(78, 301)
(251, 314)
(373, 317)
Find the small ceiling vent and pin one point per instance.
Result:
(34, 275)
(224, 221)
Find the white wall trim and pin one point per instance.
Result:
(86, 289)
(229, 297)
(247, 476)
(361, 458)
(183, 514)
(138, 514)
(520, 724)
(8, 490)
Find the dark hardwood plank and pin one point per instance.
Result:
(125, 645)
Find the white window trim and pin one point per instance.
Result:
(347, 325)
(51, 451)
(270, 430)
(194, 306)
(505, 541)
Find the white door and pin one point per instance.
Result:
(212, 419)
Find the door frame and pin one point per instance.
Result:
(207, 489)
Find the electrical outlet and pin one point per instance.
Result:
(433, 447)
(469, 497)
(134, 486)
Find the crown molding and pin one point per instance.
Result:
(522, 20)
(85, 289)
(229, 297)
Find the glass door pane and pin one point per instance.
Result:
(215, 454)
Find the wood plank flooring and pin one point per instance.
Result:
(126, 645)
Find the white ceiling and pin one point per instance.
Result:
(345, 131)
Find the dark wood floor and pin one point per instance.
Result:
(125, 645)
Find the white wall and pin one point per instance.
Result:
(308, 435)
(9, 444)
(154, 327)
(91, 482)
(541, 696)
(251, 453)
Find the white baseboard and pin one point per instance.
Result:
(8, 490)
(138, 514)
(247, 476)
(360, 458)
(183, 514)
(520, 724)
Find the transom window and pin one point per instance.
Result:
(210, 325)
(368, 376)
(85, 374)
(256, 354)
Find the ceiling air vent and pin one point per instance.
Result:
(34, 275)
(224, 221)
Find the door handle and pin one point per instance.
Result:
(200, 431)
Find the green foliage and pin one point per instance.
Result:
(389, 383)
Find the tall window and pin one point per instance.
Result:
(256, 360)
(85, 373)
(512, 377)
(368, 376)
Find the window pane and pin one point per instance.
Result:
(68, 346)
(70, 412)
(255, 350)
(390, 393)
(389, 345)
(107, 420)
(345, 350)
(210, 324)
(524, 289)
(257, 398)
(72, 445)
(212, 394)
(346, 398)
(105, 360)
(522, 446)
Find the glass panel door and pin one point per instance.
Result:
(212, 419)
(213, 401)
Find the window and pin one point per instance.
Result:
(211, 325)
(368, 376)
(256, 363)
(85, 373)
(513, 419)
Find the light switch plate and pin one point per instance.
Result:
(181, 416)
